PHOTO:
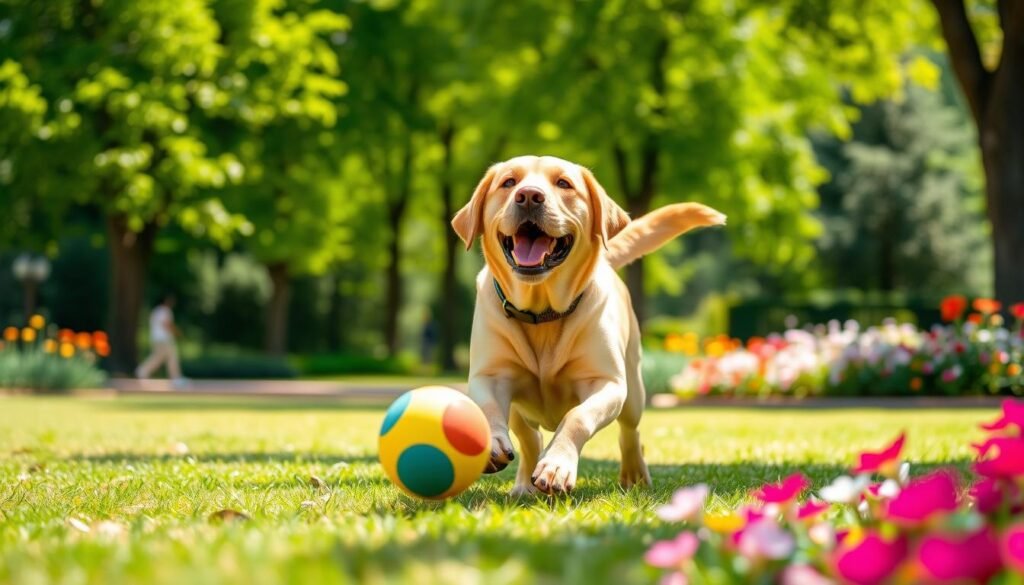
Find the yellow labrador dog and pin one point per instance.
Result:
(555, 342)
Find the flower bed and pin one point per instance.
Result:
(973, 355)
(877, 525)
(47, 359)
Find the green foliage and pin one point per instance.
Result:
(214, 367)
(146, 485)
(343, 364)
(658, 368)
(38, 371)
(905, 208)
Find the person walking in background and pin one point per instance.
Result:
(164, 350)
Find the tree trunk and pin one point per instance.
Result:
(276, 332)
(334, 315)
(447, 325)
(129, 257)
(995, 99)
(393, 297)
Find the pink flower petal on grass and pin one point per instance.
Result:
(783, 492)
(1001, 457)
(671, 554)
(1013, 547)
(923, 498)
(880, 461)
(1013, 414)
(871, 560)
(687, 504)
(958, 558)
(811, 509)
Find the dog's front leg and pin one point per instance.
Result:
(600, 403)
(494, 397)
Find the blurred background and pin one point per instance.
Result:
(288, 168)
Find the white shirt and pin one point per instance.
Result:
(159, 321)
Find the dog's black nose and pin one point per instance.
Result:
(528, 197)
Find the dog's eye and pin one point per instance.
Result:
(563, 184)
(509, 183)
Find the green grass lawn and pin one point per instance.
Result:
(119, 469)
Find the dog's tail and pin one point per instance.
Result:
(650, 232)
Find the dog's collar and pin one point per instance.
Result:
(529, 316)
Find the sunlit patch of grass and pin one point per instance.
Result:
(122, 491)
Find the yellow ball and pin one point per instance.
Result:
(434, 442)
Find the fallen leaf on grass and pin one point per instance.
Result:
(228, 515)
(317, 482)
(78, 525)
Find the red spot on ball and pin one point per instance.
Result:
(465, 427)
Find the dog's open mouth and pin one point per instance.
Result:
(532, 251)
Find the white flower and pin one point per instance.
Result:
(904, 473)
(845, 489)
(889, 489)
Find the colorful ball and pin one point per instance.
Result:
(434, 442)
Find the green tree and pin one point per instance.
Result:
(986, 48)
(128, 85)
(695, 100)
(903, 210)
(281, 59)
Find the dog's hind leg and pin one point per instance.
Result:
(530, 444)
(634, 468)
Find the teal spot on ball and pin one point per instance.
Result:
(395, 412)
(425, 470)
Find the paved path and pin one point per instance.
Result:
(327, 389)
(384, 392)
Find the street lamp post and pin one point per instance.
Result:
(30, 272)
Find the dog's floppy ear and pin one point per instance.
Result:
(469, 221)
(609, 218)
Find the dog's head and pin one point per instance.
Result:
(539, 216)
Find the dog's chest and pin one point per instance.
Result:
(547, 393)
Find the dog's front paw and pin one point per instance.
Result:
(556, 472)
(523, 490)
(501, 452)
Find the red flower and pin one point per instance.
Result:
(1008, 461)
(972, 558)
(871, 560)
(974, 318)
(885, 461)
(783, 492)
(953, 307)
(1013, 414)
(1017, 310)
(987, 306)
(923, 498)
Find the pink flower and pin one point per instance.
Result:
(990, 493)
(803, 575)
(871, 560)
(923, 498)
(811, 509)
(885, 461)
(674, 578)
(783, 492)
(1013, 414)
(671, 554)
(928, 368)
(951, 374)
(764, 539)
(1013, 547)
(973, 557)
(1008, 460)
(687, 504)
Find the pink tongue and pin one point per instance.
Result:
(530, 252)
